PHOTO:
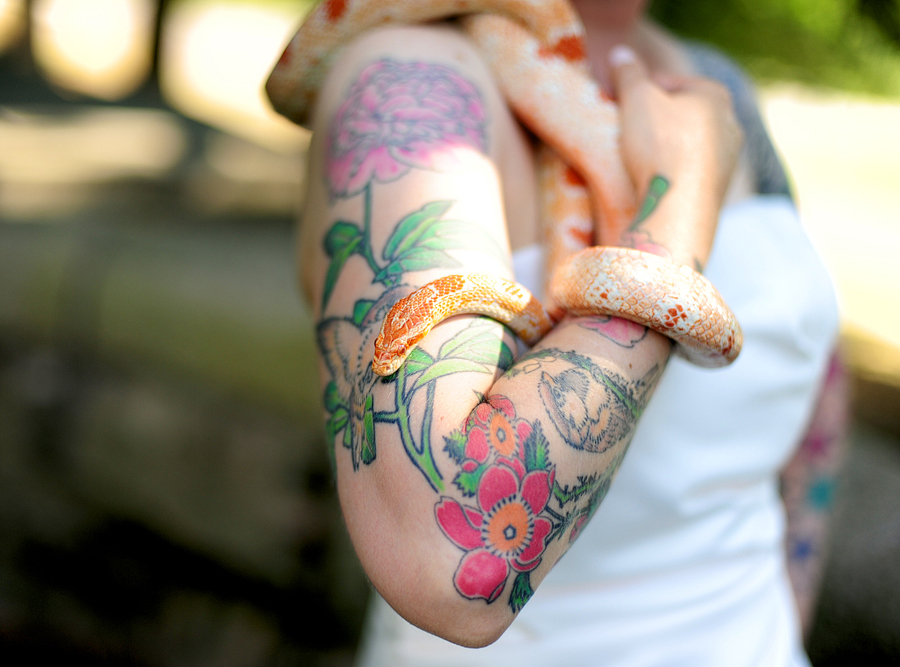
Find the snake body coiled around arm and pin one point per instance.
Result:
(536, 51)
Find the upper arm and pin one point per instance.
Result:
(462, 477)
(394, 202)
(465, 152)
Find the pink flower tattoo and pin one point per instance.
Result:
(398, 116)
(619, 331)
(494, 429)
(504, 532)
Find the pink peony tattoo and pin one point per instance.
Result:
(398, 116)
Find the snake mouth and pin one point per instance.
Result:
(385, 363)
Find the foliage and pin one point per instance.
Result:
(851, 45)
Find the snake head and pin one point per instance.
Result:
(388, 358)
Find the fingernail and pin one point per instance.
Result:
(621, 55)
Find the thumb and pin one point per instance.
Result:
(627, 70)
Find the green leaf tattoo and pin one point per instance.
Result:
(537, 450)
(421, 241)
(521, 591)
(409, 230)
(476, 349)
(341, 242)
(659, 185)
(360, 310)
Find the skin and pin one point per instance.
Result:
(807, 487)
(817, 461)
(460, 427)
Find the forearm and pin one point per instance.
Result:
(807, 484)
(544, 443)
(463, 478)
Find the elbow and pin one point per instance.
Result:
(468, 623)
(438, 581)
(419, 584)
(476, 637)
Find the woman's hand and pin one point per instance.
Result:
(683, 129)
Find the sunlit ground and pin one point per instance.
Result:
(844, 156)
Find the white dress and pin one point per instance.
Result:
(683, 564)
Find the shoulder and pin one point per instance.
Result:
(709, 62)
(421, 48)
(422, 82)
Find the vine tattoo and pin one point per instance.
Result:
(501, 504)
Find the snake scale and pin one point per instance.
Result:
(536, 50)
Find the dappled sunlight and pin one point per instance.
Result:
(95, 145)
(237, 175)
(214, 60)
(102, 48)
(12, 22)
(47, 160)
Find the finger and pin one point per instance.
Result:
(700, 86)
(627, 69)
(671, 83)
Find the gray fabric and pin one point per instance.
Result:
(770, 174)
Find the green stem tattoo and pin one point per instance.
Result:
(367, 229)
(659, 185)
(421, 455)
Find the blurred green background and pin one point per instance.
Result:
(165, 496)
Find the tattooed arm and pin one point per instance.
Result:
(807, 488)
(464, 477)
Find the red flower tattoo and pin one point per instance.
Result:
(504, 532)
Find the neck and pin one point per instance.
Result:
(610, 15)
(608, 23)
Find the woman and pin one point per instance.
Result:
(462, 485)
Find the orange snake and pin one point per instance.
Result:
(536, 51)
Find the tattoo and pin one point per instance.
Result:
(623, 333)
(348, 396)
(638, 238)
(506, 479)
(420, 241)
(596, 488)
(399, 116)
(593, 408)
(659, 185)
(512, 507)
(808, 489)
(497, 497)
